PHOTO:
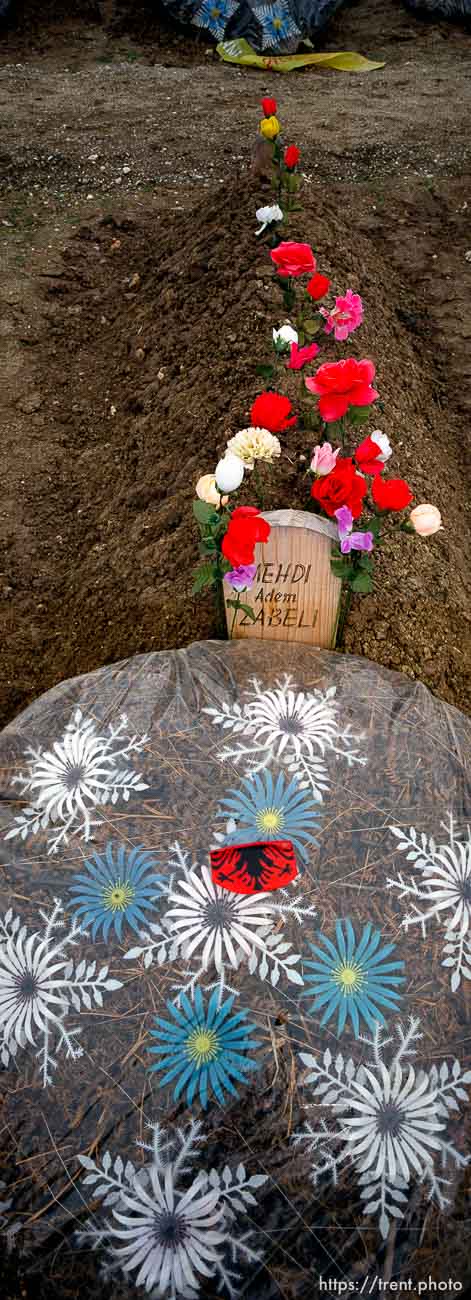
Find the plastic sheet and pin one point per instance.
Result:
(279, 26)
(226, 1093)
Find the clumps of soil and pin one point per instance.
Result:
(154, 335)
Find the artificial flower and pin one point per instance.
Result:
(293, 259)
(285, 336)
(229, 473)
(341, 384)
(342, 487)
(372, 453)
(292, 156)
(206, 490)
(268, 217)
(324, 459)
(350, 541)
(270, 128)
(345, 317)
(426, 520)
(300, 357)
(254, 444)
(246, 528)
(395, 494)
(272, 411)
(269, 106)
(241, 578)
(318, 286)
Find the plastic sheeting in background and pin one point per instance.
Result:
(279, 26)
(442, 8)
(224, 1093)
(239, 51)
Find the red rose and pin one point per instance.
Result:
(245, 529)
(394, 494)
(292, 156)
(269, 106)
(342, 487)
(341, 384)
(318, 287)
(293, 259)
(273, 412)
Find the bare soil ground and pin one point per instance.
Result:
(122, 153)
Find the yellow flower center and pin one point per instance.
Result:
(350, 978)
(270, 819)
(202, 1046)
(215, 12)
(117, 897)
(277, 23)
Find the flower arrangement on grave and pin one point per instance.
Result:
(347, 476)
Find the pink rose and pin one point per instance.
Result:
(426, 520)
(345, 317)
(324, 458)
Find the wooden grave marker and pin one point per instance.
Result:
(295, 596)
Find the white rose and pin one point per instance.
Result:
(286, 335)
(229, 473)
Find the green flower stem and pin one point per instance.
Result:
(221, 625)
(258, 486)
(344, 610)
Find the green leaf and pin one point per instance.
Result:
(364, 561)
(266, 371)
(358, 414)
(311, 326)
(374, 526)
(362, 582)
(204, 514)
(342, 569)
(204, 577)
(247, 609)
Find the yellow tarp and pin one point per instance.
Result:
(239, 51)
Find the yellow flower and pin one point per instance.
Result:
(254, 444)
(270, 127)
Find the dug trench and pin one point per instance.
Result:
(146, 361)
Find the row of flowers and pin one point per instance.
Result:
(347, 482)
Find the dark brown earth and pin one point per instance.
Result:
(107, 135)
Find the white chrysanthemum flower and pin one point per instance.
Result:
(290, 720)
(205, 914)
(267, 216)
(395, 1122)
(169, 1237)
(32, 987)
(254, 444)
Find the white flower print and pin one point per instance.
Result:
(172, 1229)
(295, 728)
(391, 1123)
(215, 928)
(38, 983)
(443, 894)
(84, 771)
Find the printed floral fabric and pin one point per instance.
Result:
(208, 1091)
(279, 26)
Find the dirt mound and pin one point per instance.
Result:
(151, 352)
